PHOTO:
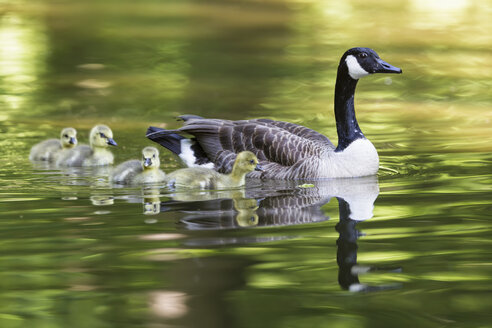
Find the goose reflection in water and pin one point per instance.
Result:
(272, 203)
(348, 269)
(284, 203)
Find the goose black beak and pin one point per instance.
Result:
(147, 162)
(72, 141)
(384, 67)
(111, 142)
(258, 167)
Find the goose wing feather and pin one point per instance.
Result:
(278, 145)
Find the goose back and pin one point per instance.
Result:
(282, 148)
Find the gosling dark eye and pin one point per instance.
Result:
(65, 135)
(102, 135)
(362, 55)
(153, 156)
(252, 161)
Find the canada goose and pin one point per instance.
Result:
(204, 178)
(96, 154)
(47, 150)
(287, 150)
(135, 171)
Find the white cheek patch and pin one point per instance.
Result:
(354, 69)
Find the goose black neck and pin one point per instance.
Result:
(347, 127)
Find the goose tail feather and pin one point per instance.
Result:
(188, 150)
(187, 117)
(166, 138)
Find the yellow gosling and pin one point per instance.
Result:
(96, 154)
(48, 150)
(135, 171)
(203, 178)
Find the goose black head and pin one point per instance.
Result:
(361, 62)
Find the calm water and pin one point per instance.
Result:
(409, 248)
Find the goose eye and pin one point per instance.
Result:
(102, 135)
(252, 161)
(65, 135)
(363, 55)
(153, 156)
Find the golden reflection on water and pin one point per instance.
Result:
(22, 48)
(168, 304)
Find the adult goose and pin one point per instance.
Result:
(286, 150)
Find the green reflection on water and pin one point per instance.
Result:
(77, 253)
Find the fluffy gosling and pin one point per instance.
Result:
(48, 150)
(203, 178)
(135, 171)
(96, 154)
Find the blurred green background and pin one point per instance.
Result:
(66, 260)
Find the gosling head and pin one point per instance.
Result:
(101, 136)
(246, 162)
(150, 158)
(361, 62)
(68, 138)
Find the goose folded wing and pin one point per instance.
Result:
(298, 130)
(271, 141)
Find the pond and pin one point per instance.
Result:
(408, 248)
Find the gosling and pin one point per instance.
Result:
(203, 178)
(48, 150)
(137, 172)
(96, 154)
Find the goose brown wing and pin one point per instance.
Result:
(299, 130)
(272, 141)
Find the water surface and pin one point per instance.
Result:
(410, 247)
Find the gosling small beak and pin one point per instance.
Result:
(147, 162)
(72, 141)
(258, 167)
(384, 67)
(111, 142)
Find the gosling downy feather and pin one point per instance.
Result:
(286, 150)
(48, 150)
(204, 178)
(145, 171)
(96, 154)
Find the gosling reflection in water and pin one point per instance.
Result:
(214, 210)
(151, 201)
